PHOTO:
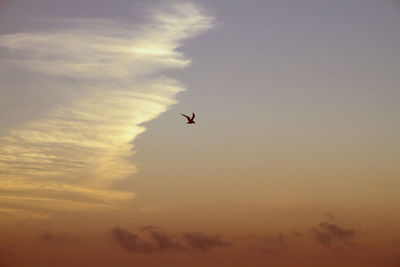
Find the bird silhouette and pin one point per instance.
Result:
(190, 120)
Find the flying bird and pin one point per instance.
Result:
(190, 120)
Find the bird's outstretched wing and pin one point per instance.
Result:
(193, 116)
(187, 117)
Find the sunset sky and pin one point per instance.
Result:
(294, 159)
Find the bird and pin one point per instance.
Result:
(190, 120)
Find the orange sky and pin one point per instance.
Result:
(293, 160)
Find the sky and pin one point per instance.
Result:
(293, 160)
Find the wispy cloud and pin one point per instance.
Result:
(203, 242)
(151, 239)
(329, 216)
(101, 81)
(328, 233)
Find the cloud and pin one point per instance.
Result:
(76, 96)
(202, 242)
(165, 242)
(156, 240)
(327, 233)
(337, 231)
(152, 239)
(149, 228)
(329, 216)
(129, 241)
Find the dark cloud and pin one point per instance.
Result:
(327, 233)
(165, 242)
(337, 231)
(329, 216)
(152, 239)
(322, 237)
(202, 242)
(150, 228)
(149, 239)
(49, 237)
(132, 242)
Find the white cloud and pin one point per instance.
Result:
(101, 81)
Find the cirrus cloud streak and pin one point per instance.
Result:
(92, 84)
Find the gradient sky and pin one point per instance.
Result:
(295, 152)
